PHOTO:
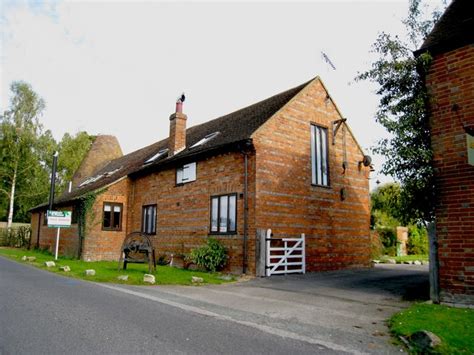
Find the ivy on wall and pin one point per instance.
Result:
(85, 213)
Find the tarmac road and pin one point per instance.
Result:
(319, 313)
(44, 313)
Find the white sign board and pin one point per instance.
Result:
(470, 149)
(59, 219)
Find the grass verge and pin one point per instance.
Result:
(107, 271)
(401, 259)
(454, 326)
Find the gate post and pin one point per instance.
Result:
(261, 253)
(303, 252)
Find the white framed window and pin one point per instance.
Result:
(112, 216)
(224, 214)
(186, 173)
(319, 156)
(149, 219)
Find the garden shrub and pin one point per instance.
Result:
(211, 256)
(417, 241)
(18, 237)
(388, 237)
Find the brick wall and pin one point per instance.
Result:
(102, 244)
(183, 211)
(68, 237)
(451, 84)
(337, 232)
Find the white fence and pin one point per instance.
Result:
(284, 255)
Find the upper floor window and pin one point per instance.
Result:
(319, 156)
(224, 214)
(186, 173)
(149, 219)
(112, 216)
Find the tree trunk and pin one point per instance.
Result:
(12, 198)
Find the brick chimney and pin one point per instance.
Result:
(177, 138)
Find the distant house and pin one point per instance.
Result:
(450, 82)
(289, 163)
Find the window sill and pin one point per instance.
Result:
(221, 233)
(322, 186)
(184, 183)
(111, 230)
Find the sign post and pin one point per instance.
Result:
(59, 219)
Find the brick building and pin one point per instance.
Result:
(450, 82)
(289, 163)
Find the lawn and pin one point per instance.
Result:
(454, 326)
(107, 271)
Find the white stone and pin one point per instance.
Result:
(417, 262)
(31, 258)
(23, 258)
(149, 278)
(50, 263)
(65, 268)
(90, 272)
(391, 261)
(197, 280)
(122, 277)
(424, 262)
(226, 277)
(376, 261)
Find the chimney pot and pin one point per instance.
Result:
(179, 106)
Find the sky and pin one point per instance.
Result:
(117, 67)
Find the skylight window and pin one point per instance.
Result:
(91, 180)
(109, 173)
(156, 156)
(205, 140)
(97, 177)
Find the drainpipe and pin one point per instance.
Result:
(246, 212)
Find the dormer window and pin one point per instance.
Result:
(205, 140)
(186, 173)
(158, 155)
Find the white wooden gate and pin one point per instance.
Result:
(284, 255)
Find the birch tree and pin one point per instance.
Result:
(21, 145)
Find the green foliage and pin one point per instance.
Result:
(72, 150)
(24, 147)
(454, 326)
(18, 237)
(106, 271)
(211, 256)
(403, 112)
(26, 155)
(84, 212)
(417, 240)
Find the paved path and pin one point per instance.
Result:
(340, 312)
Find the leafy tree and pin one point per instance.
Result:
(386, 205)
(23, 147)
(402, 111)
(72, 150)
